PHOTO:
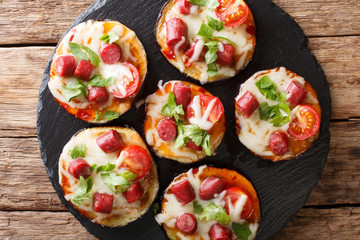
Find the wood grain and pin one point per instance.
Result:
(339, 58)
(44, 21)
(21, 167)
(341, 223)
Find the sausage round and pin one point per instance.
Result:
(247, 104)
(133, 193)
(110, 53)
(103, 202)
(278, 143)
(65, 66)
(167, 129)
(184, 6)
(97, 95)
(219, 232)
(79, 167)
(182, 94)
(183, 191)
(190, 144)
(186, 223)
(295, 93)
(225, 57)
(211, 186)
(189, 53)
(110, 141)
(176, 30)
(83, 70)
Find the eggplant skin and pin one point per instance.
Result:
(151, 181)
(191, 71)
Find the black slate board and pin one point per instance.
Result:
(283, 187)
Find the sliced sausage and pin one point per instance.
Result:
(79, 167)
(65, 66)
(110, 53)
(184, 6)
(295, 93)
(182, 94)
(186, 223)
(167, 129)
(176, 30)
(247, 104)
(137, 160)
(224, 57)
(110, 141)
(190, 144)
(183, 191)
(97, 95)
(219, 232)
(103, 202)
(278, 143)
(133, 193)
(190, 52)
(83, 70)
(211, 186)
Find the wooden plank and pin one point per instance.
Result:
(339, 57)
(324, 17)
(25, 185)
(341, 223)
(41, 225)
(47, 20)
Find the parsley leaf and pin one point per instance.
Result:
(110, 115)
(118, 182)
(267, 88)
(78, 151)
(92, 167)
(109, 37)
(242, 231)
(75, 49)
(171, 109)
(210, 58)
(98, 81)
(106, 168)
(215, 24)
(197, 207)
(210, 4)
(94, 58)
(156, 207)
(74, 90)
(226, 39)
(205, 31)
(97, 115)
(196, 134)
(212, 70)
(82, 191)
(214, 212)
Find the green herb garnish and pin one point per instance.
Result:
(106, 168)
(99, 81)
(215, 24)
(214, 212)
(196, 134)
(242, 231)
(82, 192)
(109, 37)
(197, 207)
(74, 90)
(171, 109)
(118, 182)
(78, 151)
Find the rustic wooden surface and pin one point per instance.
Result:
(30, 208)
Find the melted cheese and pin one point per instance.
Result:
(199, 119)
(88, 33)
(197, 50)
(255, 133)
(238, 35)
(172, 209)
(94, 155)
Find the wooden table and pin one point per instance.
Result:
(29, 206)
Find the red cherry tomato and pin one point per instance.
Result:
(137, 160)
(129, 86)
(232, 195)
(216, 112)
(306, 123)
(232, 12)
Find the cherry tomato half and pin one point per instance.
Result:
(127, 86)
(233, 194)
(137, 160)
(306, 123)
(232, 12)
(215, 113)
